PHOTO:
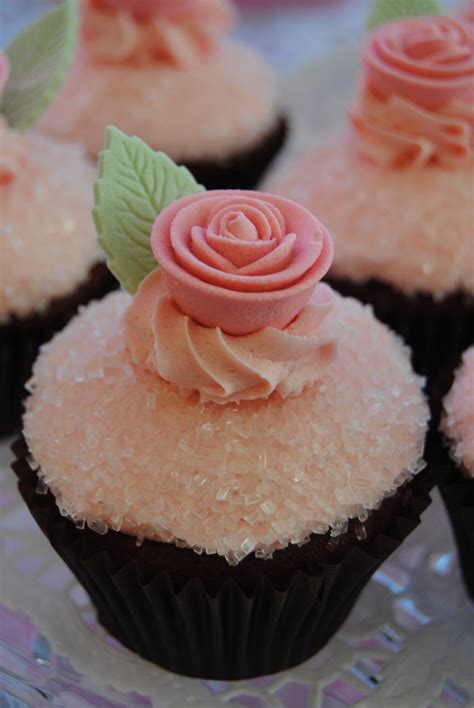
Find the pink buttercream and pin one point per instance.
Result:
(397, 132)
(416, 104)
(220, 367)
(458, 423)
(130, 452)
(240, 260)
(169, 31)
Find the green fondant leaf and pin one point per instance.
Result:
(386, 10)
(39, 60)
(135, 184)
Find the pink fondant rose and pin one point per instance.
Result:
(240, 260)
(429, 61)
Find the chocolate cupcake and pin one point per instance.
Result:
(165, 71)
(457, 486)
(241, 443)
(395, 187)
(50, 262)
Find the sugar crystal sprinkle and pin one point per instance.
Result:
(162, 471)
(374, 216)
(47, 216)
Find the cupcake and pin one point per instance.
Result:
(50, 262)
(166, 71)
(458, 486)
(225, 456)
(395, 186)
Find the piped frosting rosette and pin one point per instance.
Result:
(234, 309)
(175, 32)
(416, 103)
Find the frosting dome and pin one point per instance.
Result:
(47, 238)
(220, 367)
(458, 423)
(416, 101)
(228, 479)
(143, 31)
(240, 260)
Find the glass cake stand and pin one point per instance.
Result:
(408, 643)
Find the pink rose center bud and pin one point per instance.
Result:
(239, 226)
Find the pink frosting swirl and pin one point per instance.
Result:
(416, 102)
(220, 367)
(139, 32)
(12, 146)
(240, 260)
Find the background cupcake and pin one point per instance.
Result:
(457, 487)
(50, 262)
(234, 416)
(170, 74)
(395, 188)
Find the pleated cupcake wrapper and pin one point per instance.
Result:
(21, 340)
(458, 497)
(436, 332)
(226, 634)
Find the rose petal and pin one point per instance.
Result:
(238, 226)
(207, 254)
(268, 221)
(429, 61)
(240, 253)
(273, 262)
(301, 262)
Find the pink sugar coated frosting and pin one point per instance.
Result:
(231, 479)
(458, 423)
(416, 103)
(48, 242)
(139, 32)
(240, 260)
(222, 368)
(210, 109)
(410, 228)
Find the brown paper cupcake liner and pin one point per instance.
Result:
(436, 332)
(241, 170)
(458, 496)
(197, 615)
(21, 338)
